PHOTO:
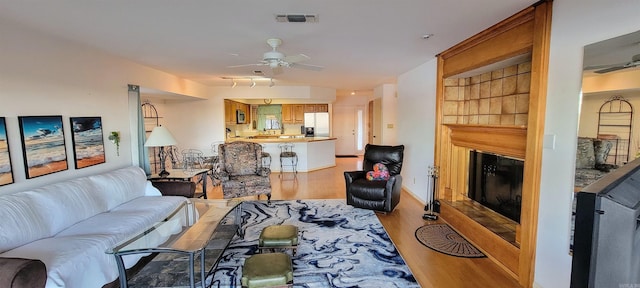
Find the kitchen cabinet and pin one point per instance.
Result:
(230, 108)
(321, 107)
(293, 113)
(298, 113)
(287, 114)
(309, 108)
(229, 112)
(313, 108)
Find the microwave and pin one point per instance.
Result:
(240, 117)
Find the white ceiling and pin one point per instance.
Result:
(360, 43)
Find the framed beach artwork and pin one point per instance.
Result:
(6, 173)
(43, 145)
(88, 146)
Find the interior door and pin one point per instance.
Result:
(344, 129)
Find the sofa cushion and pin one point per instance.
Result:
(82, 246)
(65, 257)
(119, 186)
(28, 216)
(585, 157)
(138, 214)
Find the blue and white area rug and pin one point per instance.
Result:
(339, 246)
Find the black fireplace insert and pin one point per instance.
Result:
(496, 182)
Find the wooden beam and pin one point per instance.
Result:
(506, 141)
(535, 135)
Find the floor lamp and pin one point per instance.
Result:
(160, 137)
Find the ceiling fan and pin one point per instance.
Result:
(277, 60)
(635, 62)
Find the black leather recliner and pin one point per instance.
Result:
(376, 195)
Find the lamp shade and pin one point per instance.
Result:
(160, 136)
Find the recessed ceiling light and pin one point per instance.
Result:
(297, 18)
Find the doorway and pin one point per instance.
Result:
(348, 126)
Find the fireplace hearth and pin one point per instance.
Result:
(496, 182)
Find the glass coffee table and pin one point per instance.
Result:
(191, 240)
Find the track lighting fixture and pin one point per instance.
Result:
(253, 83)
(271, 83)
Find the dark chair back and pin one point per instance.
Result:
(390, 156)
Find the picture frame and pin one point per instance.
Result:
(88, 141)
(43, 145)
(6, 170)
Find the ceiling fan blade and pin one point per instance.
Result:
(296, 58)
(611, 69)
(306, 66)
(243, 65)
(596, 67)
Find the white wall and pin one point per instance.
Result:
(387, 92)
(416, 125)
(42, 75)
(575, 24)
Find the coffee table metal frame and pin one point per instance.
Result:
(191, 241)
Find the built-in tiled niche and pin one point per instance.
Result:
(499, 97)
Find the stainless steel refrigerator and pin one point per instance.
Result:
(319, 121)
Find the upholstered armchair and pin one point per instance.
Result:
(241, 172)
(379, 195)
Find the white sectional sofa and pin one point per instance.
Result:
(70, 225)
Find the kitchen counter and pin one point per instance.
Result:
(279, 139)
(314, 153)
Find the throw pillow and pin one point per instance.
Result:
(380, 172)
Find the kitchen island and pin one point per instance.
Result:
(314, 153)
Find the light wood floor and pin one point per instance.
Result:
(431, 269)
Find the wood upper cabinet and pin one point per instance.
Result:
(309, 108)
(229, 112)
(293, 113)
(298, 113)
(230, 108)
(312, 108)
(322, 107)
(287, 114)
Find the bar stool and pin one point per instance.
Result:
(288, 157)
(266, 157)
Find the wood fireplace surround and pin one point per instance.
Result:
(526, 32)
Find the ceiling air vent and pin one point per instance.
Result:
(297, 18)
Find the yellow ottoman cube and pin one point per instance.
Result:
(279, 237)
(267, 270)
